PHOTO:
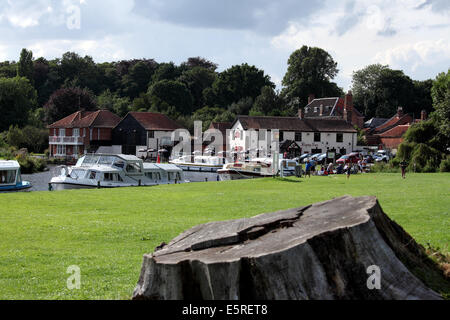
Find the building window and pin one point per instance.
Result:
(339, 137)
(298, 136)
(76, 132)
(62, 132)
(61, 149)
(151, 134)
(262, 134)
(84, 132)
(281, 135)
(316, 136)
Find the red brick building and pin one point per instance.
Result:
(81, 132)
(389, 134)
(333, 108)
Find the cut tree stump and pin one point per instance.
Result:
(322, 251)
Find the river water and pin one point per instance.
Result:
(40, 180)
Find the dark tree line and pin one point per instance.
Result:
(37, 92)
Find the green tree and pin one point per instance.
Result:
(77, 71)
(168, 93)
(268, 103)
(195, 62)
(66, 101)
(25, 66)
(197, 79)
(378, 91)
(17, 98)
(207, 115)
(310, 71)
(441, 102)
(236, 83)
(114, 103)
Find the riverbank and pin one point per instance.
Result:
(106, 232)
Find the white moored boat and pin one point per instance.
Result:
(10, 177)
(112, 171)
(199, 163)
(256, 168)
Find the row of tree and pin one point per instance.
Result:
(37, 92)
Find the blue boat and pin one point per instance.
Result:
(10, 177)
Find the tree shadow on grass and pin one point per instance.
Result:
(292, 179)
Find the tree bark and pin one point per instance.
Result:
(322, 251)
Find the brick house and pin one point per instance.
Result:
(389, 134)
(81, 132)
(333, 108)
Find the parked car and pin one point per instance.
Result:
(369, 159)
(302, 157)
(348, 158)
(322, 158)
(382, 155)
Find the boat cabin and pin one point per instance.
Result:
(10, 176)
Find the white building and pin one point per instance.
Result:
(296, 136)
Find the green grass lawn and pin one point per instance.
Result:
(106, 232)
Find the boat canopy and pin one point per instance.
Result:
(9, 165)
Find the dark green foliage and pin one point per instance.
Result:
(114, 103)
(8, 69)
(441, 101)
(310, 71)
(33, 139)
(268, 103)
(236, 83)
(25, 66)
(66, 101)
(445, 164)
(17, 98)
(424, 158)
(197, 79)
(378, 91)
(168, 93)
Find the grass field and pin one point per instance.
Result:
(106, 232)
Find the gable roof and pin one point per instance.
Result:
(88, 119)
(393, 122)
(280, 123)
(221, 126)
(332, 107)
(295, 124)
(375, 122)
(395, 132)
(154, 121)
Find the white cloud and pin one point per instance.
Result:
(419, 54)
(394, 33)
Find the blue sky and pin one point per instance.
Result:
(412, 35)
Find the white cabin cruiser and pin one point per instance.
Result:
(112, 171)
(10, 177)
(200, 163)
(256, 168)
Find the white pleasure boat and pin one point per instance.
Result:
(199, 163)
(112, 171)
(10, 177)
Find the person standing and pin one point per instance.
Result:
(403, 166)
(308, 168)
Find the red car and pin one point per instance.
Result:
(349, 158)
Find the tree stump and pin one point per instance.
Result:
(322, 251)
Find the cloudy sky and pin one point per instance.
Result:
(412, 35)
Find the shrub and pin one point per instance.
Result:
(384, 167)
(425, 158)
(445, 164)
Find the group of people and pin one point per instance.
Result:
(348, 169)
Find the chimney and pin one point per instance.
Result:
(400, 112)
(348, 107)
(423, 115)
(321, 110)
(300, 113)
(311, 97)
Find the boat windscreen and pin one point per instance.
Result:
(107, 160)
(7, 176)
(90, 160)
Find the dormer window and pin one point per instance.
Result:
(315, 109)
